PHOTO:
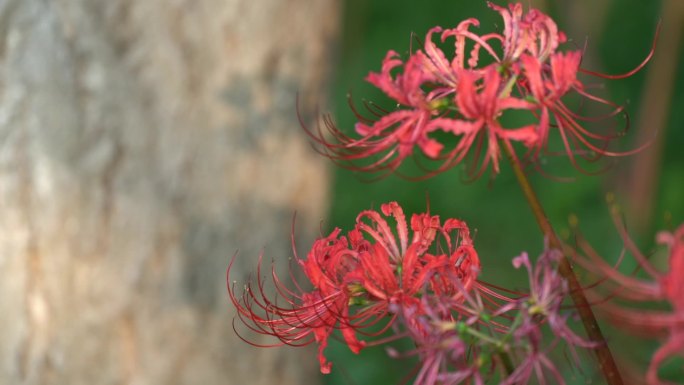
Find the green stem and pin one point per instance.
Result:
(499, 345)
(507, 363)
(603, 354)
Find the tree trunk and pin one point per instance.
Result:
(141, 144)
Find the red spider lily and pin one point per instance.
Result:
(393, 136)
(461, 97)
(358, 278)
(443, 71)
(410, 266)
(664, 286)
(533, 32)
(481, 111)
(546, 85)
(300, 317)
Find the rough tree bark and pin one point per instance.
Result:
(141, 144)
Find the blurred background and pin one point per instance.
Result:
(143, 143)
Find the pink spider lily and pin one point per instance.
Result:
(445, 356)
(665, 286)
(357, 279)
(535, 362)
(548, 290)
(447, 332)
(542, 305)
(488, 334)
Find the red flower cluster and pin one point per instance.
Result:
(420, 280)
(360, 279)
(461, 97)
(661, 287)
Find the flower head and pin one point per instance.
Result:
(358, 279)
(480, 106)
(438, 94)
(394, 135)
(445, 356)
(534, 33)
(548, 290)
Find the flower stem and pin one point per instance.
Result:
(499, 346)
(603, 354)
(507, 363)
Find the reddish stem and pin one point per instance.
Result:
(603, 354)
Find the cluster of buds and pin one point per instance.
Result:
(460, 96)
